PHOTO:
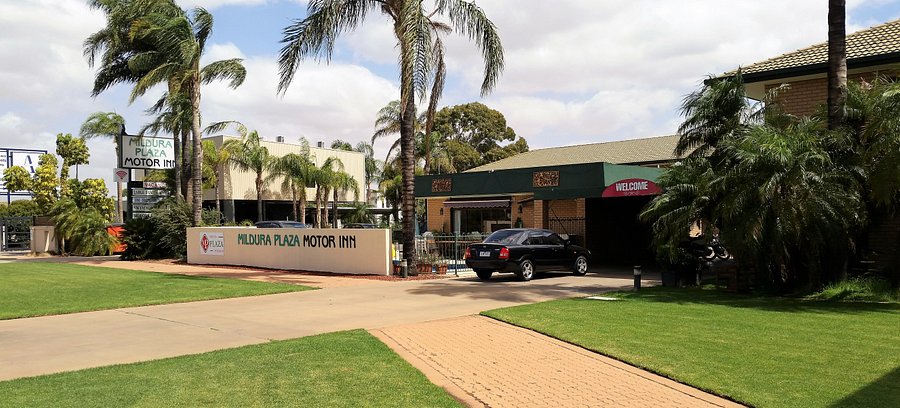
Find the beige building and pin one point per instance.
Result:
(237, 189)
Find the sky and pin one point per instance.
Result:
(577, 71)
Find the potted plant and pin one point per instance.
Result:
(441, 266)
(423, 264)
(670, 257)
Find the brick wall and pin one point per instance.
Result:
(803, 97)
(436, 221)
(527, 214)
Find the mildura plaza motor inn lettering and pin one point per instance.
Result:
(147, 152)
(294, 240)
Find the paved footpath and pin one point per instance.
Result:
(484, 362)
(51, 344)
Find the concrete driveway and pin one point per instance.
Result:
(44, 345)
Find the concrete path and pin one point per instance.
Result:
(52, 344)
(483, 362)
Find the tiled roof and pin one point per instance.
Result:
(635, 151)
(876, 41)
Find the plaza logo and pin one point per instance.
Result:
(212, 243)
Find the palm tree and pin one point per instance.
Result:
(415, 30)
(324, 178)
(341, 183)
(180, 41)
(296, 171)
(155, 41)
(172, 114)
(214, 161)
(837, 62)
(248, 154)
(107, 125)
(372, 165)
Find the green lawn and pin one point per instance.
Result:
(39, 288)
(346, 369)
(767, 352)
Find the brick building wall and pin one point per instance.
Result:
(436, 220)
(803, 97)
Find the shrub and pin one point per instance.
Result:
(868, 289)
(83, 230)
(143, 239)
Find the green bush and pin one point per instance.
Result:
(164, 234)
(83, 230)
(19, 208)
(143, 240)
(859, 290)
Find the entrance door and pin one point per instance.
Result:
(615, 235)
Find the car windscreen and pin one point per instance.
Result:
(293, 225)
(504, 237)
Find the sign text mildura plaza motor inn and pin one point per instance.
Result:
(144, 152)
(294, 240)
(354, 251)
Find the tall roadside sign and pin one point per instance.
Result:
(146, 153)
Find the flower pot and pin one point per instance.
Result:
(670, 278)
(423, 268)
(442, 269)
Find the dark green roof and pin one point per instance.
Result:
(571, 181)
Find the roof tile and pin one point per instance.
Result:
(635, 151)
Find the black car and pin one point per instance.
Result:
(280, 224)
(524, 251)
(360, 225)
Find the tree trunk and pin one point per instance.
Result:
(408, 163)
(259, 200)
(218, 199)
(186, 172)
(179, 163)
(303, 204)
(335, 211)
(325, 206)
(119, 209)
(837, 63)
(197, 173)
(294, 200)
(318, 207)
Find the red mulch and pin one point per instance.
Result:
(429, 276)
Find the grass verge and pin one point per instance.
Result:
(38, 289)
(766, 352)
(352, 369)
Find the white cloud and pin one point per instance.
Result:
(576, 71)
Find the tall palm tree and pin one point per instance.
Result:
(248, 154)
(837, 62)
(324, 178)
(180, 42)
(107, 125)
(415, 30)
(154, 41)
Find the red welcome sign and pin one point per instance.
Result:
(631, 187)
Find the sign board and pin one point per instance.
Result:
(631, 187)
(26, 158)
(353, 251)
(212, 243)
(120, 175)
(145, 152)
(143, 196)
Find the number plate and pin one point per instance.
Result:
(485, 254)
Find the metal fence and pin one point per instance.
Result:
(572, 226)
(15, 233)
(447, 249)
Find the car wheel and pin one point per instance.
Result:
(484, 274)
(580, 266)
(526, 270)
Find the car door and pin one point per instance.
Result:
(556, 247)
(540, 251)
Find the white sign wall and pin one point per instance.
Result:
(147, 152)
